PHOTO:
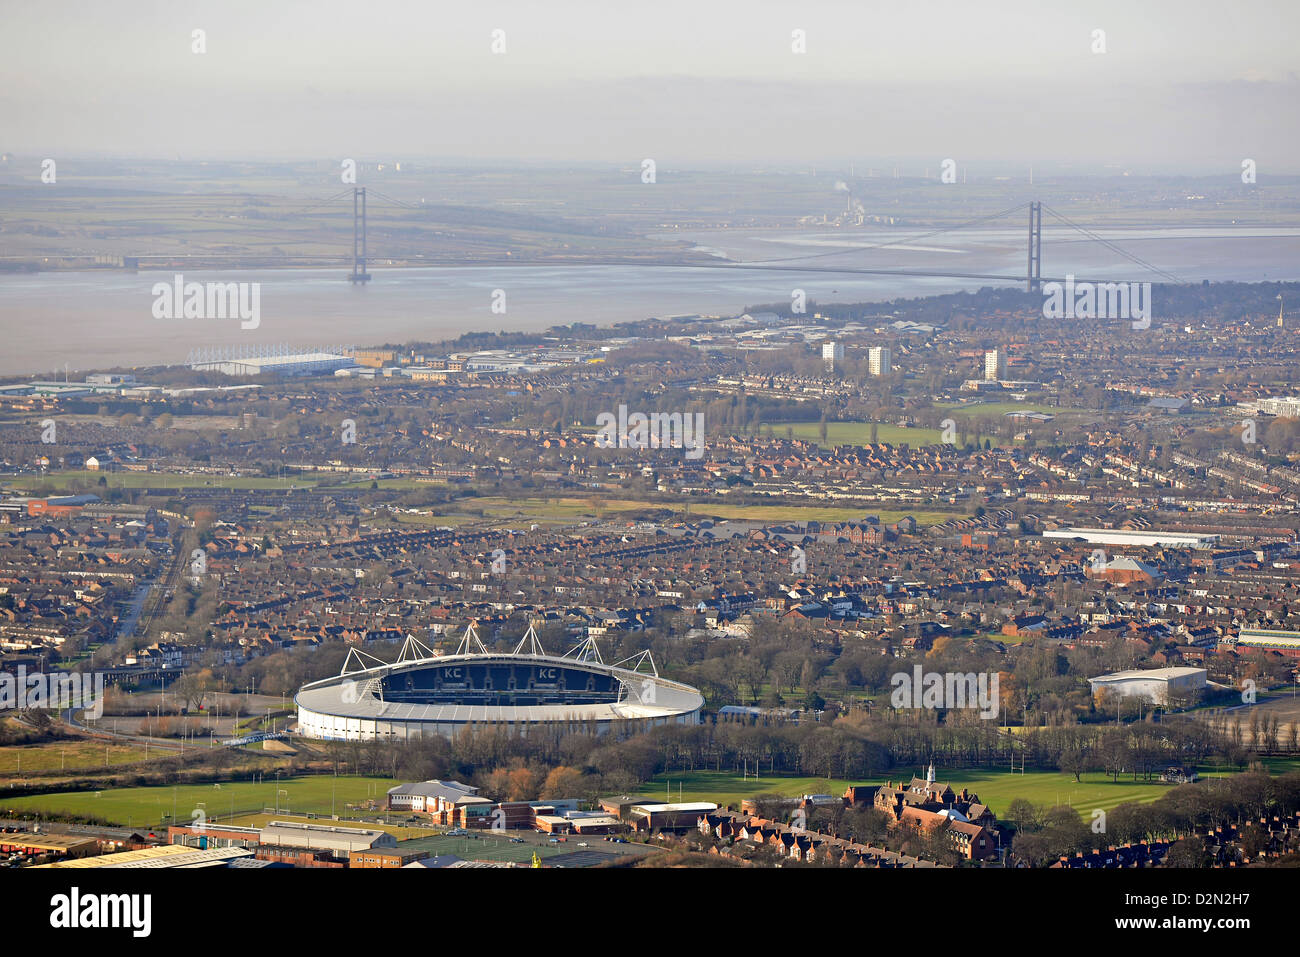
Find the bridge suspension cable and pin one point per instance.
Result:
(897, 242)
(1162, 273)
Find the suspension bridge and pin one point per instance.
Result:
(852, 258)
(1033, 277)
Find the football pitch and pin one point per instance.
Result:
(153, 806)
(996, 787)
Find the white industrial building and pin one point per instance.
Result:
(1155, 685)
(303, 363)
(339, 841)
(1125, 536)
(273, 359)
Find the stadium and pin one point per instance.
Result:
(425, 694)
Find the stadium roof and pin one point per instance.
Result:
(353, 693)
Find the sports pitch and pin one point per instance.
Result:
(152, 806)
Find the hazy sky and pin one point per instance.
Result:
(1188, 85)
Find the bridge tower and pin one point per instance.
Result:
(359, 273)
(1035, 272)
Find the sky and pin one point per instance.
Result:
(1183, 85)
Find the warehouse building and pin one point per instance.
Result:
(338, 841)
(1145, 538)
(1161, 686)
(288, 364)
(160, 856)
(56, 845)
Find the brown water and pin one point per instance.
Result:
(101, 319)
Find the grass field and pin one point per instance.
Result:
(246, 802)
(996, 410)
(150, 806)
(858, 433)
(1006, 639)
(575, 509)
(996, 787)
(725, 788)
(164, 480)
(69, 755)
(1000, 408)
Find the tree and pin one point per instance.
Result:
(773, 807)
(562, 782)
(1023, 814)
(866, 825)
(1186, 852)
(1034, 849)
(522, 785)
(193, 687)
(751, 674)
(497, 783)
(1073, 761)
